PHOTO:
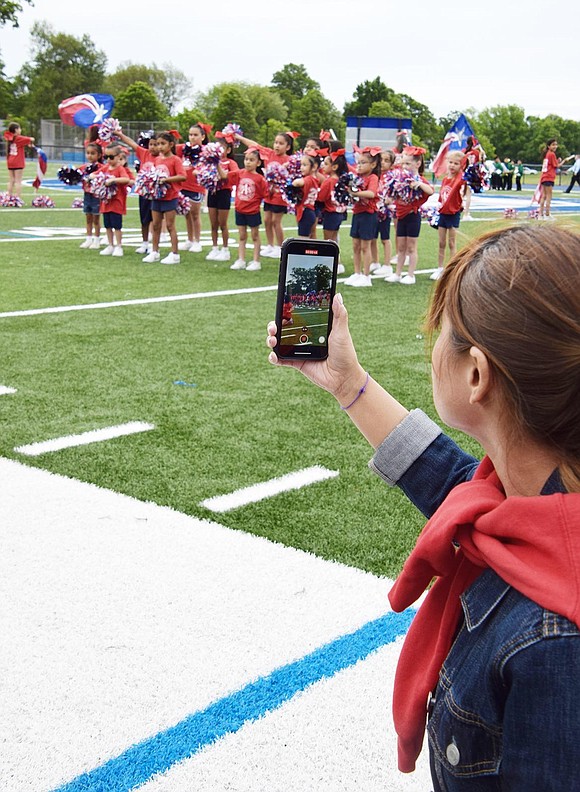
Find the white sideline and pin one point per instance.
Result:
(5, 390)
(267, 489)
(94, 436)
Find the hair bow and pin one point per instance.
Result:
(174, 133)
(324, 135)
(228, 138)
(8, 135)
(206, 127)
(372, 150)
(414, 151)
(252, 150)
(322, 152)
(334, 155)
(293, 135)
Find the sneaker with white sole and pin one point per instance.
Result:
(238, 265)
(340, 269)
(394, 259)
(362, 281)
(437, 274)
(467, 217)
(86, 244)
(152, 257)
(144, 247)
(185, 245)
(266, 250)
(393, 278)
(351, 278)
(223, 255)
(274, 252)
(386, 269)
(95, 243)
(171, 258)
(195, 247)
(108, 251)
(255, 265)
(213, 254)
(374, 266)
(408, 280)
(117, 251)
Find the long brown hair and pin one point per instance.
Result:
(515, 294)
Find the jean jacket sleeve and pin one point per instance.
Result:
(425, 463)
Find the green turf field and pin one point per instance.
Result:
(234, 420)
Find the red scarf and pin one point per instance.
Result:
(531, 543)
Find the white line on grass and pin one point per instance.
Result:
(5, 390)
(267, 489)
(94, 436)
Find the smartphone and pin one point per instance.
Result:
(306, 286)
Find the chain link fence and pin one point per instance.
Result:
(64, 143)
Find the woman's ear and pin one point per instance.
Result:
(480, 375)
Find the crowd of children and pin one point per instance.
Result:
(383, 188)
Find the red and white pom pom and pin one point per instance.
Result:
(276, 175)
(534, 214)
(12, 201)
(183, 204)
(78, 203)
(147, 184)
(43, 202)
(510, 213)
(109, 130)
(230, 131)
(206, 169)
(293, 165)
(398, 185)
(99, 188)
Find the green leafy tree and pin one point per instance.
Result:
(170, 85)
(506, 128)
(61, 66)
(9, 10)
(292, 82)
(366, 94)
(6, 94)
(235, 106)
(139, 102)
(314, 112)
(187, 118)
(266, 103)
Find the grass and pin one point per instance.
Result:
(239, 422)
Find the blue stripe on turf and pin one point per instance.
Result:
(157, 754)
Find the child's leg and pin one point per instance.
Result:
(157, 223)
(278, 230)
(467, 199)
(242, 239)
(145, 232)
(189, 224)
(452, 239)
(255, 231)
(269, 227)
(10, 182)
(401, 253)
(110, 239)
(17, 182)
(96, 222)
(365, 245)
(548, 200)
(213, 219)
(356, 254)
(118, 233)
(223, 224)
(386, 251)
(89, 224)
(172, 231)
(374, 248)
(333, 235)
(196, 221)
(412, 253)
(442, 244)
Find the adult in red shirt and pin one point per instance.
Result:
(550, 163)
(15, 160)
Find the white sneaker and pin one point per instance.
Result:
(408, 280)
(437, 274)
(223, 255)
(108, 251)
(117, 251)
(467, 217)
(195, 247)
(394, 259)
(386, 269)
(374, 266)
(274, 252)
(152, 257)
(362, 280)
(86, 244)
(95, 243)
(213, 254)
(351, 279)
(340, 269)
(255, 265)
(171, 258)
(266, 250)
(185, 245)
(238, 264)
(144, 247)
(394, 278)
(548, 217)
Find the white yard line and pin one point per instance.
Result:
(94, 436)
(267, 489)
(5, 390)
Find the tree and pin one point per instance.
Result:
(6, 94)
(314, 112)
(170, 85)
(506, 128)
(8, 11)
(293, 82)
(266, 103)
(61, 66)
(139, 102)
(234, 106)
(367, 93)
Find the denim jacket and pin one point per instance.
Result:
(505, 714)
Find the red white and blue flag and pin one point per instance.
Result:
(85, 110)
(454, 140)
(41, 164)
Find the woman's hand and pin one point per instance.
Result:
(340, 374)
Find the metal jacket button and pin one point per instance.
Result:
(452, 754)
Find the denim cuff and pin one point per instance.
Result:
(403, 446)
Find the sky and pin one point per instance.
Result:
(447, 55)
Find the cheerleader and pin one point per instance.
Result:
(146, 152)
(219, 203)
(384, 228)
(15, 160)
(191, 188)
(91, 204)
(309, 184)
(364, 215)
(333, 214)
(450, 206)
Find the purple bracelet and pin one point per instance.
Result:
(359, 394)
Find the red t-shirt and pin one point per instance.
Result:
(549, 165)
(191, 183)
(16, 145)
(370, 182)
(100, 166)
(170, 166)
(146, 158)
(118, 202)
(251, 189)
(450, 195)
(268, 155)
(310, 190)
(404, 209)
(229, 166)
(326, 195)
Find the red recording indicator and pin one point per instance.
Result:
(312, 252)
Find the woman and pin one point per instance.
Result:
(492, 657)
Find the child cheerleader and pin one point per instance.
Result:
(450, 205)
(384, 229)
(550, 164)
(191, 188)
(91, 204)
(115, 207)
(164, 208)
(146, 151)
(15, 160)
(219, 203)
(251, 189)
(275, 207)
(333, 214)
(409, 216)
(309, 184)
(364, 215)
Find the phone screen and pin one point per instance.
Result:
(305, 290)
